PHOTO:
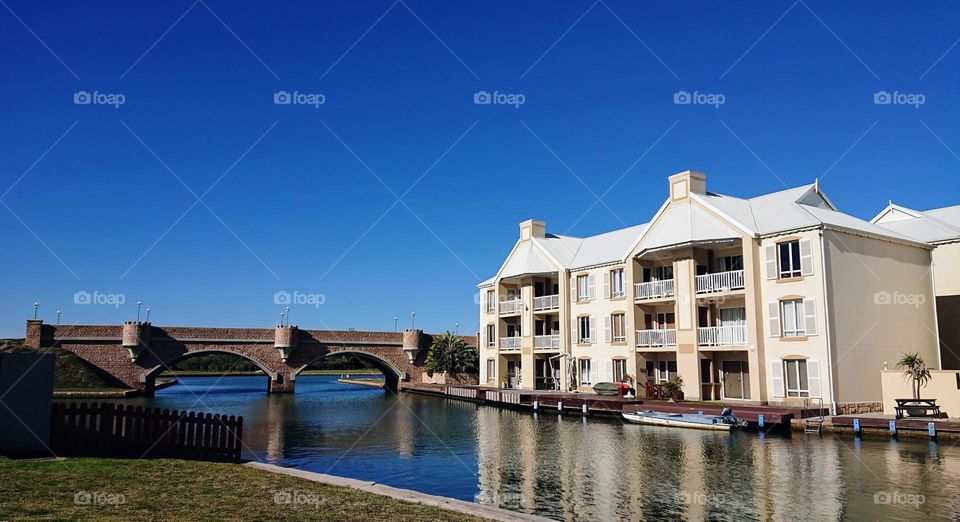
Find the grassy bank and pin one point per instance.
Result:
(71, 373)
(175, 489)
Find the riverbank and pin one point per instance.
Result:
(117, 489)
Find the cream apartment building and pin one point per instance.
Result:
(940, 228)
(776, 298)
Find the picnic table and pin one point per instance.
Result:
(929, 405)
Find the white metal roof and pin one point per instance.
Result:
(929, 226)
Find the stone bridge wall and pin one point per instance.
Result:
(135, 353)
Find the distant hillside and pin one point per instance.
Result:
(70, 373)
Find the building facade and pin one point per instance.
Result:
(777, 299)
(940, 228)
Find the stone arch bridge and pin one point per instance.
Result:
(135, 353)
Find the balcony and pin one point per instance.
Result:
(546, 302)
(656, 338)
(720, 282)
(546, 342)
(722, 336)
(511, 306)
(654, 289)
(509, 344)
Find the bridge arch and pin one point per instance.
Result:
(391, 373)
(149, 377)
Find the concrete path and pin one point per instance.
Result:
(449, 504)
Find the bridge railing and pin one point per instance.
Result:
(103, 429)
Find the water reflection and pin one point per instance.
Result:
(570, 469)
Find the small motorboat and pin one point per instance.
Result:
(684, 420)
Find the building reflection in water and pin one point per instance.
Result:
(604, 470)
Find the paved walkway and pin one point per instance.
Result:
(449, 504)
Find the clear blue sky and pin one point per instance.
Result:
(88, 207)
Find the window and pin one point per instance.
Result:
(619, 370)
(733, 316)
(491, 370)
(616, 283)
(662, 273)
(586, 336)
(729, 263)
(789, 259)
(797, 385)
(583, 288)
(666, 371)
(618, 326)
(793, 319)
(491, 301)
(491, 335)
(585, 368)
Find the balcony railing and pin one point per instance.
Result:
(655, 338)
(723, 336)
(653, 289)
(509, 344)
(546, 342)
(720, 282)
(511, 306)
(546, 302)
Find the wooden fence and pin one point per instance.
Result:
(114, 430)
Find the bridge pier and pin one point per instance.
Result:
(284, 383)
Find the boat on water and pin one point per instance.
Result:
(683, 420)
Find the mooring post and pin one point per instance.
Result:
(560, 406)
(893, 428)
(760, 420)
(536, 405)
(583, 409)
(932, 430)
(856, 426)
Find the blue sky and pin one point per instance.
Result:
(399, 193)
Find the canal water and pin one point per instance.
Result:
(568, 468)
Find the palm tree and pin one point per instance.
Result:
(449, 353)
(914, 368)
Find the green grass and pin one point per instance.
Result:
(71, 373)
(187, 490)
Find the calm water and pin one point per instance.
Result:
(567, 468)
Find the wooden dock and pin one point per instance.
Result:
(913, 427)
(543, 400)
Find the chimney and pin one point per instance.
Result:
(532, 228)
(682, 184)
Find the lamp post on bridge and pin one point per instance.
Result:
(36, 308)
(413, 320)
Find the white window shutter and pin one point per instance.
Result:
(593, 373)
(591, 288)
(606, 328)
(770, 260)
(593, 328)
(813, 377)
(573, 288)
(773, 318)
(776, 371)
(806, 258)
(574, 333)
(810, 316)
(608, 376)
(606, 284)
(483, 300)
